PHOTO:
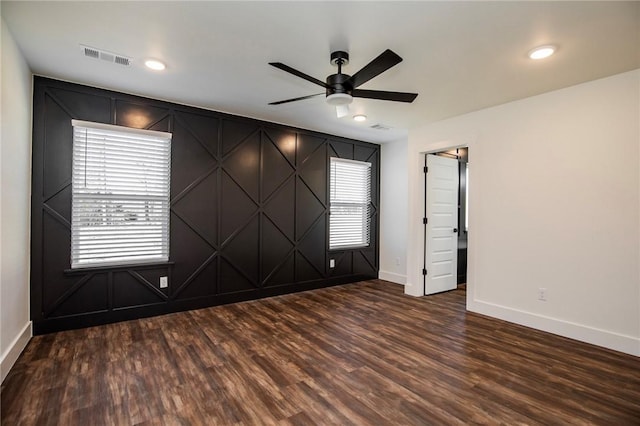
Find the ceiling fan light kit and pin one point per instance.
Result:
(340, 89)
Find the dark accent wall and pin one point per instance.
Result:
(249, 211)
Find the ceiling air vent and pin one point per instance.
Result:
(380, 127)
(92, 52)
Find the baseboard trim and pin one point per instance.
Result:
(10, 356)
(394, 278)
(607, 339)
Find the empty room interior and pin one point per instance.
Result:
(320, 213)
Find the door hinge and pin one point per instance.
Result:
(425, 169)
(424, 272)
(425, 220)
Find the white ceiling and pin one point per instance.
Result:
(459, 56)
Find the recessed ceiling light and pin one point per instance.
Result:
(542, 52)
(360, 117)
(154, 65)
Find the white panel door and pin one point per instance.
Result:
(441, 248)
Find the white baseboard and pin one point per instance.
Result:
(10, 356)
(394, 278)
(617, 342)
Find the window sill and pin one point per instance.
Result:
(348, 248)
(109, 268)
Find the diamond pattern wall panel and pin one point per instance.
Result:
(190, 160)
(139, 116)
(249, 211)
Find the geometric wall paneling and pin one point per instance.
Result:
(130, 290)
(199, 208)
(190, 160)
(363, 153)
(275, 168)
(138, 116)
(243, 165)
(237, 207)
(285, 140)
(308, 244)
(81, 106)
(305, 271)
(243, 250)
(89, 295)
(58, 148)
(369, 254)
(204, 128)
(188, 250)
(201, 284)
(60, 202)
(307, 145)
(282, 274)
(55, 258)
(276, 248)
(313, 172)
(163, 125)
(235, 132)
(343, 265)
(341, 150)
(361, 264)
(280, 208)
(249, 211)
(308, 208)
(152, 278)
(233, 280)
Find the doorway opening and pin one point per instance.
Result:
(445, 220)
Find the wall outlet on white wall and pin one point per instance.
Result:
(397, 261)
(164, 282)
(542, 294)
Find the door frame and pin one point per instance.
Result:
(428, 227)
(415, 262)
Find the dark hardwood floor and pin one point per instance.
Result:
(359, 354)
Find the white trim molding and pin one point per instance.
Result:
(392, 277)
(583, 333)
(16, 347)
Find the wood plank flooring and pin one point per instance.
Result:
(358, 354)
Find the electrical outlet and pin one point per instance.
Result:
(542, 294)
(332, 263)
(397, 261)
(164, 282)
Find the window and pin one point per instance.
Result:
(120, 199)
(350, 198)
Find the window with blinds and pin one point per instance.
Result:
(350, 199)
(120, 200)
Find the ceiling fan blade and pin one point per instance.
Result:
(297, 73)
(383, 62)
(295, 99)
(342, 110)
(383, 95)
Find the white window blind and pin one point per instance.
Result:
(120, 200)
(350, 199)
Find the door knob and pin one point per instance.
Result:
(455, 230)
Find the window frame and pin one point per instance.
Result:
(159, 197)
(366, 224)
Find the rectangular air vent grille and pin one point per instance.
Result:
(92, 52)
(380, 127)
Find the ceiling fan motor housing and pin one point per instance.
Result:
(336, 83)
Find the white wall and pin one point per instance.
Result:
(554, 203)
(15, 172)
(393, 211)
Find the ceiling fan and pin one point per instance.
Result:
(340, 89)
